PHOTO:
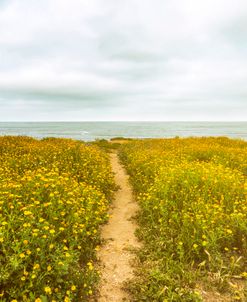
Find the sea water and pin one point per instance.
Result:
(89, 131)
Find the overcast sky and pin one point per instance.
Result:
(83, 60)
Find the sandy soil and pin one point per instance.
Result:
(115, 256)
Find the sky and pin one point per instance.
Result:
(122, 60)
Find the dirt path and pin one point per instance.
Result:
(119, 235)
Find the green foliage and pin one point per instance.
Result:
(54, 195)
(193, 218)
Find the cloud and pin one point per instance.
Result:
(133, 59)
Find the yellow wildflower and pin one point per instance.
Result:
(73, 287)
(47, 290)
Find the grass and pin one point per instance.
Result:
(192, 194)
(54, 195)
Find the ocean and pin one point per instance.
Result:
(88, 131)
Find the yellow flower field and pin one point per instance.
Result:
(193, 218)
(54, 195)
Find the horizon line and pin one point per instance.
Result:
(129, 121)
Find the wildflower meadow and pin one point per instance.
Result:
(54, 195)
(193, 217)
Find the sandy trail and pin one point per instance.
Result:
(119, 235)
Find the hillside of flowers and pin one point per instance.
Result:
(193, 218)
(54, 195)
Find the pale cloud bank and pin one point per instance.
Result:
(123, 60)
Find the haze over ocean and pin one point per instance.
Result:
(133, 60)
(88, 131)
